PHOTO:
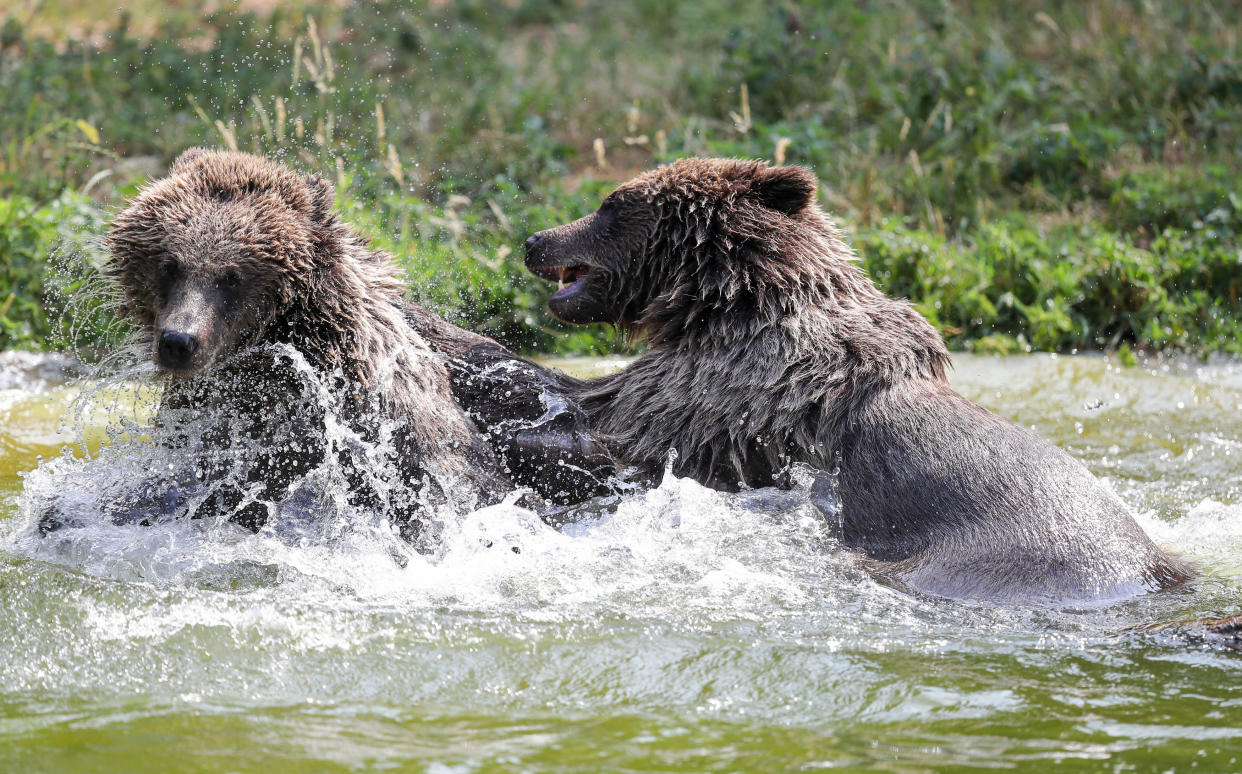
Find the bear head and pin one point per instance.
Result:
(208, 257)
(691, 227)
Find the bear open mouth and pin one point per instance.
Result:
(569, 279)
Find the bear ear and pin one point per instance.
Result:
(785, 189)
(321, 195)
(186, 161)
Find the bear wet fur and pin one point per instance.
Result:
(542, 436)
(769, 346)
(231, 254)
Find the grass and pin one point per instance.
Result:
(1051, 176)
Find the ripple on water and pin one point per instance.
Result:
(675, 628)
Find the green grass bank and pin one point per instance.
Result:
(1051, 176)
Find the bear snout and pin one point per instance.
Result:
(535, 244)
(176, 349)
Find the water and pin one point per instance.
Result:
(682, 630)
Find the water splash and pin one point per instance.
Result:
(754, 554)
(697, 610)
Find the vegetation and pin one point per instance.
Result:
(1048, 175)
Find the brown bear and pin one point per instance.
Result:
(270, 319)
(769, 347)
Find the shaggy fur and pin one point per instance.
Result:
(233, 252)
(769, 346)
(542, 435)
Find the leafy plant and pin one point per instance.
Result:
(1057, 179)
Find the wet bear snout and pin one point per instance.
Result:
(536, 247)
(177, 348)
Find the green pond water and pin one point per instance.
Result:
(679, 631)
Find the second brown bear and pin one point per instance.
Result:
(769, 346)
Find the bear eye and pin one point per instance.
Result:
(169, 266)
(231, 279)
